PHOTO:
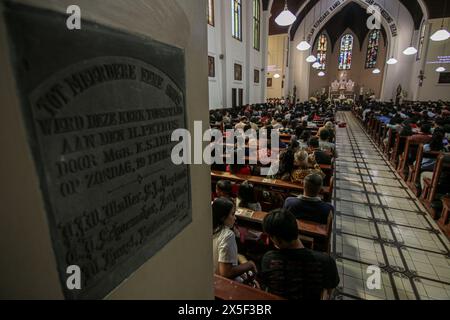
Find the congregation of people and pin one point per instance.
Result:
(288, 267)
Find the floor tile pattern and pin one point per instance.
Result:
(379, 222)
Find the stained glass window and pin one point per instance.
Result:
(322, 52)
(211, 12)
(372, 49)
(236, 13)
(345, 55)
(256, 24)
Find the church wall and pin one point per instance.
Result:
(28, 265)
(400, 73)
(431, 89)
(358, 73)
(234, 51)
(277, 59)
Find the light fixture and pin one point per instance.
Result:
(303, 46)
(311, 59)
(392, 61)
(410, 51)
(321, 74)
(316, 65)
(376, 71)
(440, 69)
(276, 76)
(440, 35)
(285, 18)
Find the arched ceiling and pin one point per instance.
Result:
(436, 9)
(352, 17)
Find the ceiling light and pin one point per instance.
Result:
(410, 51)
(392, 61)
(303, 46)
(276, 76)
(440, 35)
(285, 18)
(321, 74)
(316, 65)
(440, 69)
(376, 71)
(311, 59)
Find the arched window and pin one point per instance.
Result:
(236, 13)
(256, 24)
(345, 55)
(372, 49)
(211, 12)
(322, 51)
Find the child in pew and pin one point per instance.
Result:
(225, 252)
(292, 271)
(247, 197)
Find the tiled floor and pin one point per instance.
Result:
(379, 222)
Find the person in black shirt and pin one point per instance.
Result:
(310, 206)
(292, 271)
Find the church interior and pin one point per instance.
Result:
(225, 150)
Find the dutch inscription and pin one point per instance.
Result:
(100, 106)
(107, 159)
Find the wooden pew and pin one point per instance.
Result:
(414, 171)
(412, 144)
(444, 222)
(390, 141)
(398, 147)
(226, 289)
(320, 233)
(431, 186)
(268, 183)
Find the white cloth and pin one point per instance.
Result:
(225, 248)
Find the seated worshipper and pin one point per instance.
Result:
(322, 157)
(304, 138)
(225, 251)
(247, 197)
(237, 168)
(285, 164)
(304, 165)
(292, 271)
(224, 189)
(310, 206)
(276, 124)
(241, 125)
(330, 127)
(325, 144)
(428, 164)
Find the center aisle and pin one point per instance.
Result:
(380, 222)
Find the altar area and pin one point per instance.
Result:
(342, 90)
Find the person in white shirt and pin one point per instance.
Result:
(225, 252)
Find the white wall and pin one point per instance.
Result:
(277, 55)
(220, 41)
(431, 89)
(183, 269)
(401, 73)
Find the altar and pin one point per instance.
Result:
(342, 89)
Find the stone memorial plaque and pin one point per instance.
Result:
(100, 106)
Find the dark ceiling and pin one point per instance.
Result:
(346, 19)
(436, 9)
